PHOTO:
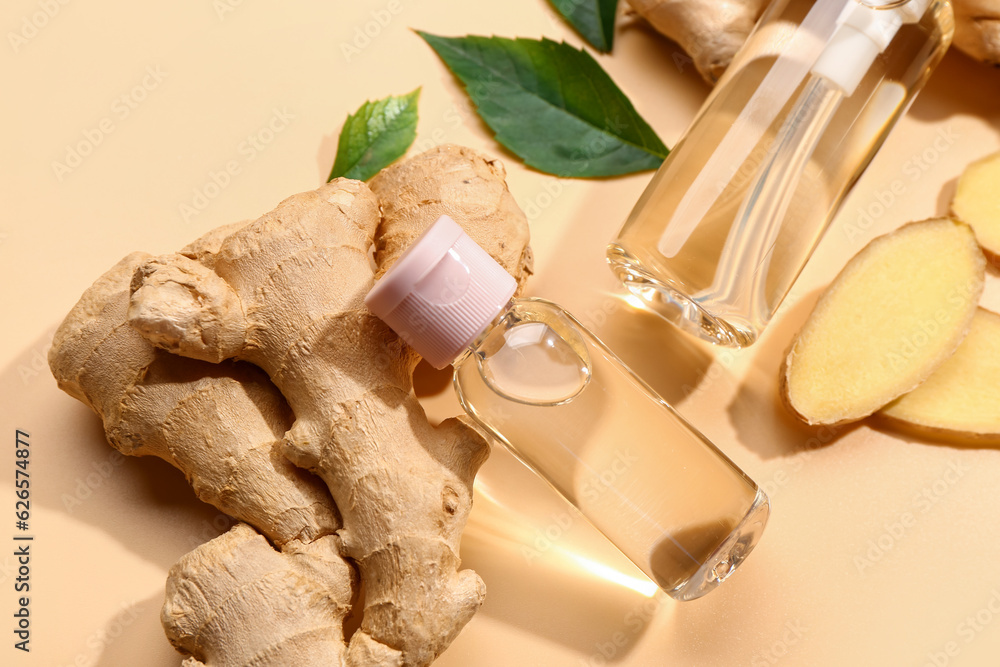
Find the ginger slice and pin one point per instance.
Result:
(896, 312)
(977, 203)
(961, 399)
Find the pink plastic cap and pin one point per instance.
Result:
(441, 293)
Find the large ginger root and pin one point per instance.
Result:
(153, 403)
(960, 401)
(711, 31)
(285, 293)
(897, 311)
(222, 426)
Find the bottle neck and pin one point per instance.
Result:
(477, 342)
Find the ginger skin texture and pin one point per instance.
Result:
(711, 31)
(977, 29)
(156, 404)
(284, 294)
(298, 596)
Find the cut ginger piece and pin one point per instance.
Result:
(977, 203)
(896, 312)
(961, 399)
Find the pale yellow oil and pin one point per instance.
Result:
(680, 286)
(640, 473)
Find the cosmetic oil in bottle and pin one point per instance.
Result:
(733, 214)
(539, 382)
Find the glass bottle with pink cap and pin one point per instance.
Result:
(538, 381)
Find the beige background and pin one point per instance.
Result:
(818, 590)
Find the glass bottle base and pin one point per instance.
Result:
(674, 306)
(728, 556)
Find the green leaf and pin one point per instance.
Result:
(593, 19)
(375, 135)
(552, 105)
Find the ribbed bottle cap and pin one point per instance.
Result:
(441, 293)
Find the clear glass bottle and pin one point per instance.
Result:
(733, 214)
(538, 381)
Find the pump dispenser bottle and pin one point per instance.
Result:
(733, 214)
(536, 380)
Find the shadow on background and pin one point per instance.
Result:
(763, 423)
(916, 435)
(145, 504)
(579, 278)
(959, 86)
(673, 363)
(945, 196)
(429, 381)
(134, 631)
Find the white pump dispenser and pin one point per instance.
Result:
(864, 30)
(736, 209)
